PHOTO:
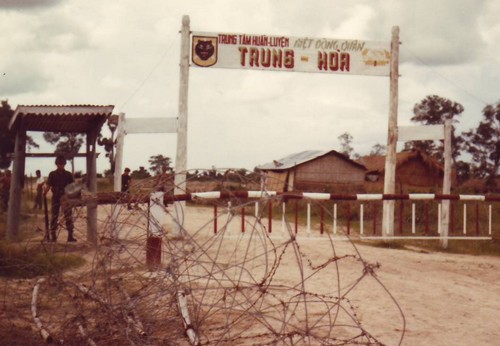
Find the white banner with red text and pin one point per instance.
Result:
(283, 53)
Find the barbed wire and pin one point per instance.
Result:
(216, 284)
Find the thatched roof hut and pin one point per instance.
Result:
(314, 171)
(413, 169)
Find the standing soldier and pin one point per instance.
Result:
(56, 182)
(126, 185)
(39, 190)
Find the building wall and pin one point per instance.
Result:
(328, 174)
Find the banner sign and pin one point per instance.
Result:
(283, 53)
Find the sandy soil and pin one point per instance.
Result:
(446, 299)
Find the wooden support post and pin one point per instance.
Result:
(182, 125)
(92, 186)
(392, 138)
(120, 139)
(117, 181)
(16, 185)
(445, 209)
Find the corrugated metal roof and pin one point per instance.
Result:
(63, 118)
(300, 158)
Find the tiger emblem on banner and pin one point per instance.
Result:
(204, 50)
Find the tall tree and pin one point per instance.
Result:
(483, 143)
(378, 149)
(434, 110)
(157, 162)
(345, 144)
(67, 144)
(8, 138)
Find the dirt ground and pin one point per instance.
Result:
(445, 299)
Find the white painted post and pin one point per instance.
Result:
(361, 219)
(120, 140)
(413, 228)
(257, 210)
(465, 219)
(392, 138)
(181, 156)
(335, 218)
(489, 219)
(117, 181)
(439, 222)
(445, 216)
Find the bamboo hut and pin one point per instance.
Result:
(314, 171)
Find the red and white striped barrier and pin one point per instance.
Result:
(328, 196)
(314, 196)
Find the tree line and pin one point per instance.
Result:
(476, 152)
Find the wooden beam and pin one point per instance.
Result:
(16, 186)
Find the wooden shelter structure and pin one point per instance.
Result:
(314, 171)
(414, 169)
(86, 119)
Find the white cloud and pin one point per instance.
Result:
(126, 53)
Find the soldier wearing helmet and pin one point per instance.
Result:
(56, 182)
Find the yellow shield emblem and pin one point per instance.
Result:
(204, 51)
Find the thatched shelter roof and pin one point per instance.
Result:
(376, 163)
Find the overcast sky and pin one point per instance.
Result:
(126, 53)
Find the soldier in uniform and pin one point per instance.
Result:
(56, 182)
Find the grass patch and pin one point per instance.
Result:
(25, 259)
(28, 262)
(466, 247)
(385, 244)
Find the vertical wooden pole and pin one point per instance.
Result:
(392, 138)
(117, 181)
(16, 185)
(445, 209)
(120, 141)
(181, 155)
(92, 186)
